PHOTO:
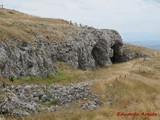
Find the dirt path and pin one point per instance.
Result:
(118, 71)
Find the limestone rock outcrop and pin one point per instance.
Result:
(84, 48)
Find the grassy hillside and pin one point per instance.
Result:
(133, 86)
(16, 25)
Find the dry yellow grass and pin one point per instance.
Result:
(2, 118)
(28, 27)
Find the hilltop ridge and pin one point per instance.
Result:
(17, 25)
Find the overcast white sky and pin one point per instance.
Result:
(129, 17)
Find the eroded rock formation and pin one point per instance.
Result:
(84, 48)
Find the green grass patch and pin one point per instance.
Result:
(60, 76)
(31, 78)
(51, 103)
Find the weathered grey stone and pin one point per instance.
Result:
(132, 54)
(29, 99)
(18, 112)
(84, 48)
(3, 57)
(23, 62)
(53, 108)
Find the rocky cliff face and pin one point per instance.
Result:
(84, 48)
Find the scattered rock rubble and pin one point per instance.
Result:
(29, 99)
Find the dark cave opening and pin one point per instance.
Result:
(102, 54)
(117, 54)
(114, 59)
